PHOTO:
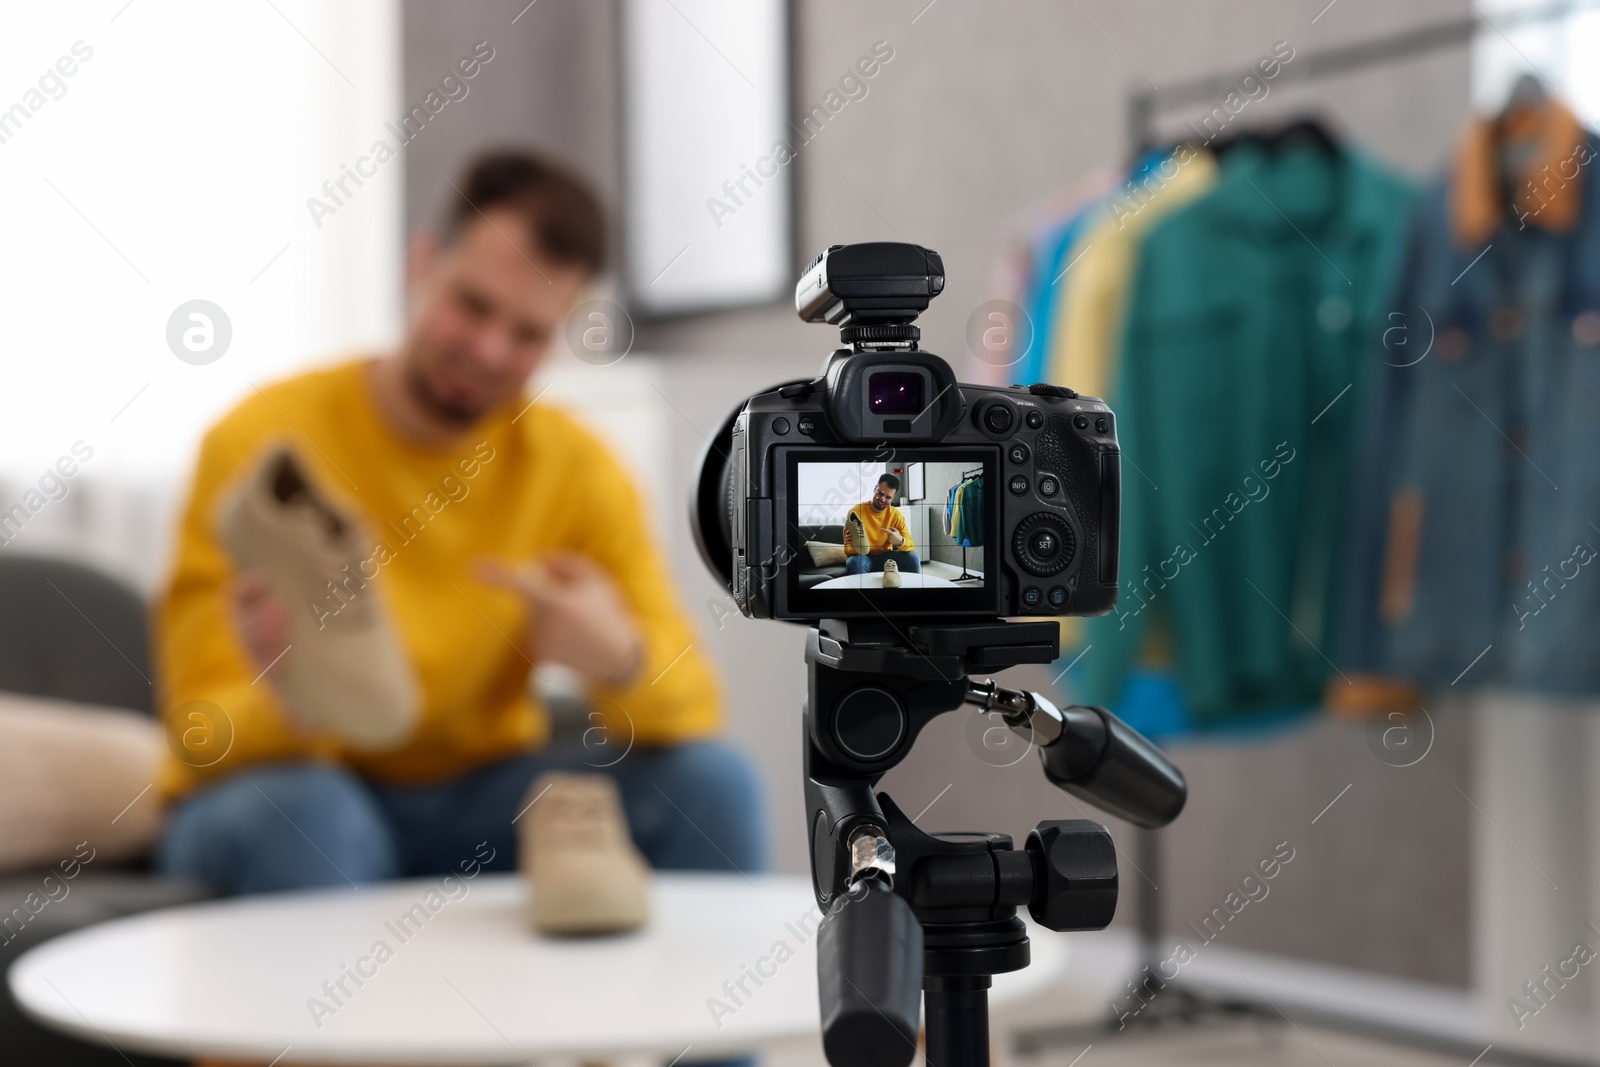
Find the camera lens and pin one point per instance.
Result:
(895, 393)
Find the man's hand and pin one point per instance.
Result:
(263, 624)
(896, 538)
(576, 616)
(261, 618)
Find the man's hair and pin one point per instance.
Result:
(891, 480)
(562, 213)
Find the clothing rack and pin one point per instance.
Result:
(964, 576)
(1143, 107)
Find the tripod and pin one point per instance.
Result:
(905, 909)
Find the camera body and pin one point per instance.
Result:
(987, 501)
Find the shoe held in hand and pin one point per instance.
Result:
(345, 670)
(858, 534)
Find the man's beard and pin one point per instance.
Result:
(422, 392)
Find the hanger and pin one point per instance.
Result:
(1308, 131)
(1516, 132)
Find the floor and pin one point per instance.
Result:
(1241, 1045)
(1092, 981)
(952, 572)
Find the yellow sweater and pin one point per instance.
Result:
(514, 487)
(878, 524)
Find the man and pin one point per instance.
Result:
(501, 536)
(875, 533)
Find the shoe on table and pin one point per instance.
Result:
(585, 874)
(347, 672)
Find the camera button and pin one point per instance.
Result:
(1035, 419)
(780, 425)
(1058, 597)
(998, 418)
(1048, 486)
(1102, 426)
(1081, 421)
(1018, 453)
(1031, 597)
(1043, 545)
(1019, 484)
(807, 425)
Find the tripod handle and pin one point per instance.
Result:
(869, 975)
(1101, 759)
(1092, 754)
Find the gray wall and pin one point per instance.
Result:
(984, 111)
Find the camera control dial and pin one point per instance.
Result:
(1043, 544)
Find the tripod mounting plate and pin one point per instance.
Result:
(932, 651)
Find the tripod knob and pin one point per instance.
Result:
(1074, 875)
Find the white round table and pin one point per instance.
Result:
(464, 984)
(874, 580)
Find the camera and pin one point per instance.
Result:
(885, 489)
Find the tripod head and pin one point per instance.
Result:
(906, 909)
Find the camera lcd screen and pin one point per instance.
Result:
(861, 544)
(895, 393)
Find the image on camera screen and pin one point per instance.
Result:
(909, 531)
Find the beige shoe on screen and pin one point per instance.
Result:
(346, 670)
(891, 574)
(574, 850)
(858, 534)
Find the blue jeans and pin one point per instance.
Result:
(907, 561)
(694, 806)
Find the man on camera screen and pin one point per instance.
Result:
(875, 533)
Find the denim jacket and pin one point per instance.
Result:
(1476, 519)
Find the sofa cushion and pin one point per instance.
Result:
(825, 555)
(75, 781)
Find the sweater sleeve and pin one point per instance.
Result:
(674, 696)
(217, 717)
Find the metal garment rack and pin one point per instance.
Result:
(1145, 105)
(1176, 1004)
(964, 576)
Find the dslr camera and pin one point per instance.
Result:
(885, 489)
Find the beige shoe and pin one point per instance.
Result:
(891, 574)
(574, 849)
(346, 670)
(858, 534)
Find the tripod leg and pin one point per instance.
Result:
(956, 1013)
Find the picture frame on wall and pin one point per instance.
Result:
(707, 162)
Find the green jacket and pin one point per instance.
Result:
(1250, 314)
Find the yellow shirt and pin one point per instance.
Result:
(1095, 293)
(515, 487)
(878, 524)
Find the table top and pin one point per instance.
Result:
(874, 580)
(464, 984)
